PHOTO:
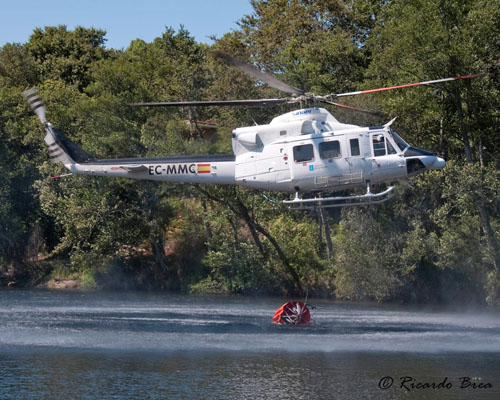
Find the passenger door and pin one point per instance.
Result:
(333, 169)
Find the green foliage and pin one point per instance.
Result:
(102, 220)
(88, 280)
(367, 257)
(299, 241)
(317, 45)
(18, 203)
(235, 264)
(209, 285)
(238, 267)
(17, 66)
(61, 271)
(424, 39)
(66, 55)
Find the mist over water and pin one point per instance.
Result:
(157, 322)
(88, 345)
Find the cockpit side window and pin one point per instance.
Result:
(378, 141)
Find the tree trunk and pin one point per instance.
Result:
(156, 235)
(254, 226)
(206, 226)
(463, 129)
(493, 245)
(282, 257)
(321, 249)
(159, 252)
(243, 212)
(328, 239)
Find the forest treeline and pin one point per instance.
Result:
(437, 241)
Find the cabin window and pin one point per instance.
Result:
(378, 145)
(355, 151)
(329, 149)
(303, 153)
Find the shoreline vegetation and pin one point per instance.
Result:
(437, 242)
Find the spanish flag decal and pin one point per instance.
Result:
(203, 168)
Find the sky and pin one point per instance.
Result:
(123, 20)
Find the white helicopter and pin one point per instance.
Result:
(302, 151)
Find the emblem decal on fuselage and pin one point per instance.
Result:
(203, 168)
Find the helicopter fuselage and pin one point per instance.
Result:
(305, 150)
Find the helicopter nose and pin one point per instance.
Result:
(419, 160)
(439, 163)
(433, 162)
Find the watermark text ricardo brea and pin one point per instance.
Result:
(408, 383)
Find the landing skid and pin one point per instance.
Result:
(342, 201)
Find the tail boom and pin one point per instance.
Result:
(211, 169)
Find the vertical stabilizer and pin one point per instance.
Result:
(61, 149)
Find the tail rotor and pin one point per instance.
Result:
(36, 104)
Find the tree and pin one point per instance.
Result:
(17, 66)
(316, 45)
(67, 55)
(367, 264)
(424, 40)
(18, 159)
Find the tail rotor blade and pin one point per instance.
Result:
(36, 104)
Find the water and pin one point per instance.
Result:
(138, 345)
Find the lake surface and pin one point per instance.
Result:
(157, 346)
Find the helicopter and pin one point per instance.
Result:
(300, 152)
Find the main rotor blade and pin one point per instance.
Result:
(407, 85)
(352, 107)
(255, 102)
(258, 74)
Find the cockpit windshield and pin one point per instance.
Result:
(399, 140)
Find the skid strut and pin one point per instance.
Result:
(341, 201)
